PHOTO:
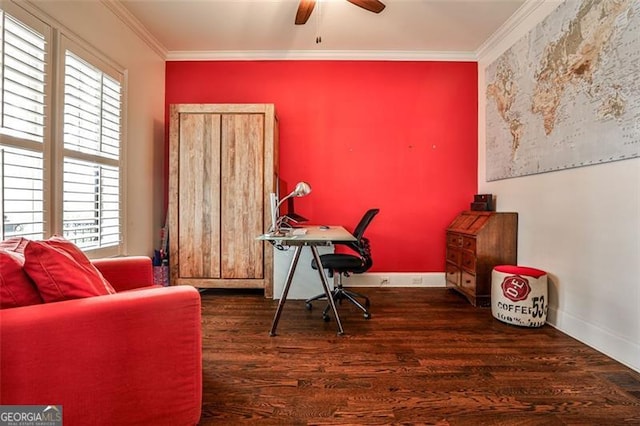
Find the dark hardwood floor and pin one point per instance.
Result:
(425, 357)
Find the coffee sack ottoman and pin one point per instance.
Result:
(519, 295)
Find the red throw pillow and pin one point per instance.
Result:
(16, 289)
(14, 244)
(61, 271)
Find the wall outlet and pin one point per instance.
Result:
(384, 280)
(416, 280)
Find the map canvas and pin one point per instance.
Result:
(567, 94)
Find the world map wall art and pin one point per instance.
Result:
(567, 94)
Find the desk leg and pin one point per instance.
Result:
(285, 290)
(327, 289)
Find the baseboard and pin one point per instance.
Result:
(396, 279)
(616, 347)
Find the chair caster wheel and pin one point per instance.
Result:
(367, 315)
(326, 318)
(309, 306)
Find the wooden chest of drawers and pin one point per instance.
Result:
(476, 242)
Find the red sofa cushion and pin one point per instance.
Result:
(126, 273)
(61, 271)
(16, 289)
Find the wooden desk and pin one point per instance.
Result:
(313, 237)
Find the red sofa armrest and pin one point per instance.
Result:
(126, 273)
(126, 358)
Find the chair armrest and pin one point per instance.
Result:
(125, 358)
(126, 273)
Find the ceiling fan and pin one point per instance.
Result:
(306, 7)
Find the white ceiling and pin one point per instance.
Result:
(201, 28)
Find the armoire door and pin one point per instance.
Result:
(241, 195)
(199, 196)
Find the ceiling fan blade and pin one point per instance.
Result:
(304, 11)
(374, 6)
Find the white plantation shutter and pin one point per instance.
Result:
(22, 193)
(23, 80)
(91, 109)
(91, 204)
(91, 135)
(23, 107)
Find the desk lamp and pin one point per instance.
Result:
(301, 189)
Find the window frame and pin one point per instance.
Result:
(47, 31)
(64, 43)
(59, 39)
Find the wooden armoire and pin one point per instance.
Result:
(223, 164)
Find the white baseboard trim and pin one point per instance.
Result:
(616, 347)
(396, 279)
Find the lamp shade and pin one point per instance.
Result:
(301, 189)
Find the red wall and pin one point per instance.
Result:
(400, 136)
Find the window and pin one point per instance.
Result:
(71, 186)
(23, 92)
(91, 168)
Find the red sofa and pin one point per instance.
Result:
(130, 358)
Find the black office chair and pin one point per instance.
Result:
(345, 264)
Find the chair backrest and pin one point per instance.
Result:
(362, 244)
(364, 222)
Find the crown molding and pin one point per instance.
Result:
(529, 7)
(136, 26)
(320, 55)
(118, 9)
